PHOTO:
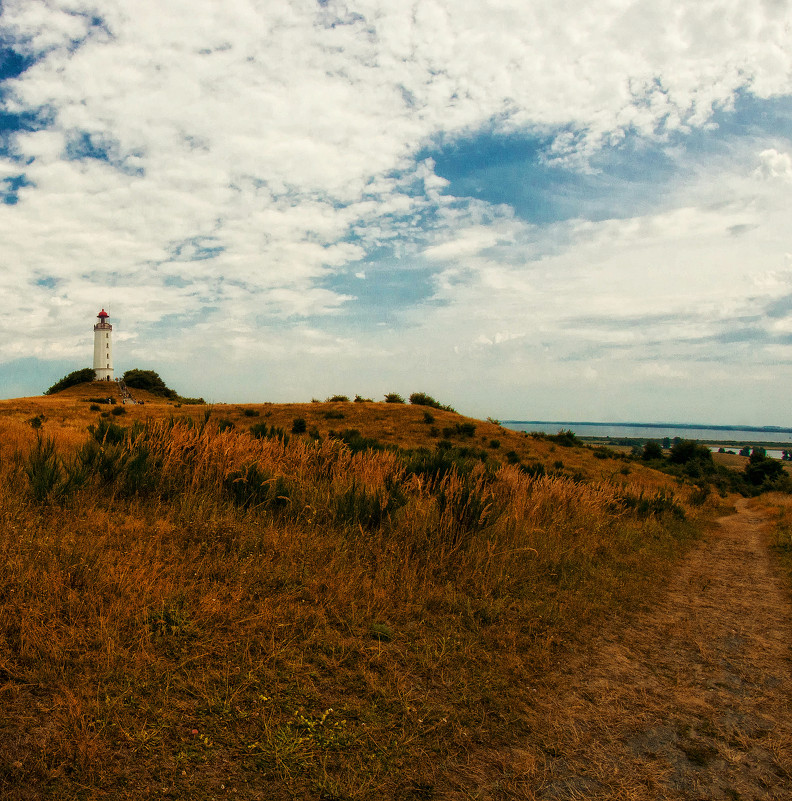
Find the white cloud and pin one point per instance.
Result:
(258, 148)
(773, 164)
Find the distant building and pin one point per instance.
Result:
(103, 348)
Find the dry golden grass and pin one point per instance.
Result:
(209, 612)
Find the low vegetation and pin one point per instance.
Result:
(694, 461)
(198, 605)
(84, 376)
(150, 381)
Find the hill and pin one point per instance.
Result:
(251, 599)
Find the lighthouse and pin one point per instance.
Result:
(103, 348)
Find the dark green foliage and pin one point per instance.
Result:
(469, 509)
(36, 422)
(359, 399)
(251, 413)
(44, 469)
(438, 463)
(659, 504)
(118, 411)
(603, 452)
(95, 408)
(651, 451)
(460, 430)
(102, 400)
(192, 401)
(107, 432)
(332, 414)
(760, 469)
(494, 443)
(338, 399)
(130, 470)
(299, 426)
(224, 424)
(512, 457)
(394, 397)
(534, 470)
(263, 431)
(422, 399)
(84, 376)
(745, 450)
(149, 381)
(566, 438)
(254, 487)
(360, 507)
(356, 442)
(428, 418)
(685, 451)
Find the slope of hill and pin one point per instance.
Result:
(199, 601)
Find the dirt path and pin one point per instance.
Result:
(692, 701)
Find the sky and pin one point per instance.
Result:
(528, 209)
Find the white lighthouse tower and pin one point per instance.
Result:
(103, 348)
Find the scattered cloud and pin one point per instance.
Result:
(491, 201)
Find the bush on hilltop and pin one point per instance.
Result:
(84, 376)
(422, 399)
(150, 381)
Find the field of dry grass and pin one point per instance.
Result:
(190, 611)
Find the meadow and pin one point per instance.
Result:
(198, 602)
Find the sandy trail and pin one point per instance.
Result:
(691, 701)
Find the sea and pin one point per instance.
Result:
(730, 438)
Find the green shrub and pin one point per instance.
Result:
(684, 451)
(651, 451)
(394, 397)
(299, 425)
(359, 399)
(338, 399)
(263, 431)
(107, 432)
(118, 411)
(428, 418)
(355, 441)
(43, 469)
(95, 408)
(251, 412)
(760, 469)
(149, 381)
(422, 399)
(566, 438)
(84, 376)
(460, 430)
(512, 457)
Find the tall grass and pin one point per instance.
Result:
(183, 607)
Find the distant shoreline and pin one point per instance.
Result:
(683, 426)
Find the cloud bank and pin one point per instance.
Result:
(526, 208)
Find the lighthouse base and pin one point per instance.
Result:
(103, 373)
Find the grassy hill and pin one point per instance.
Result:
(203, 601)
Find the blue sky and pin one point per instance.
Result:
(525, 209)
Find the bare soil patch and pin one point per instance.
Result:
(689, 701)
